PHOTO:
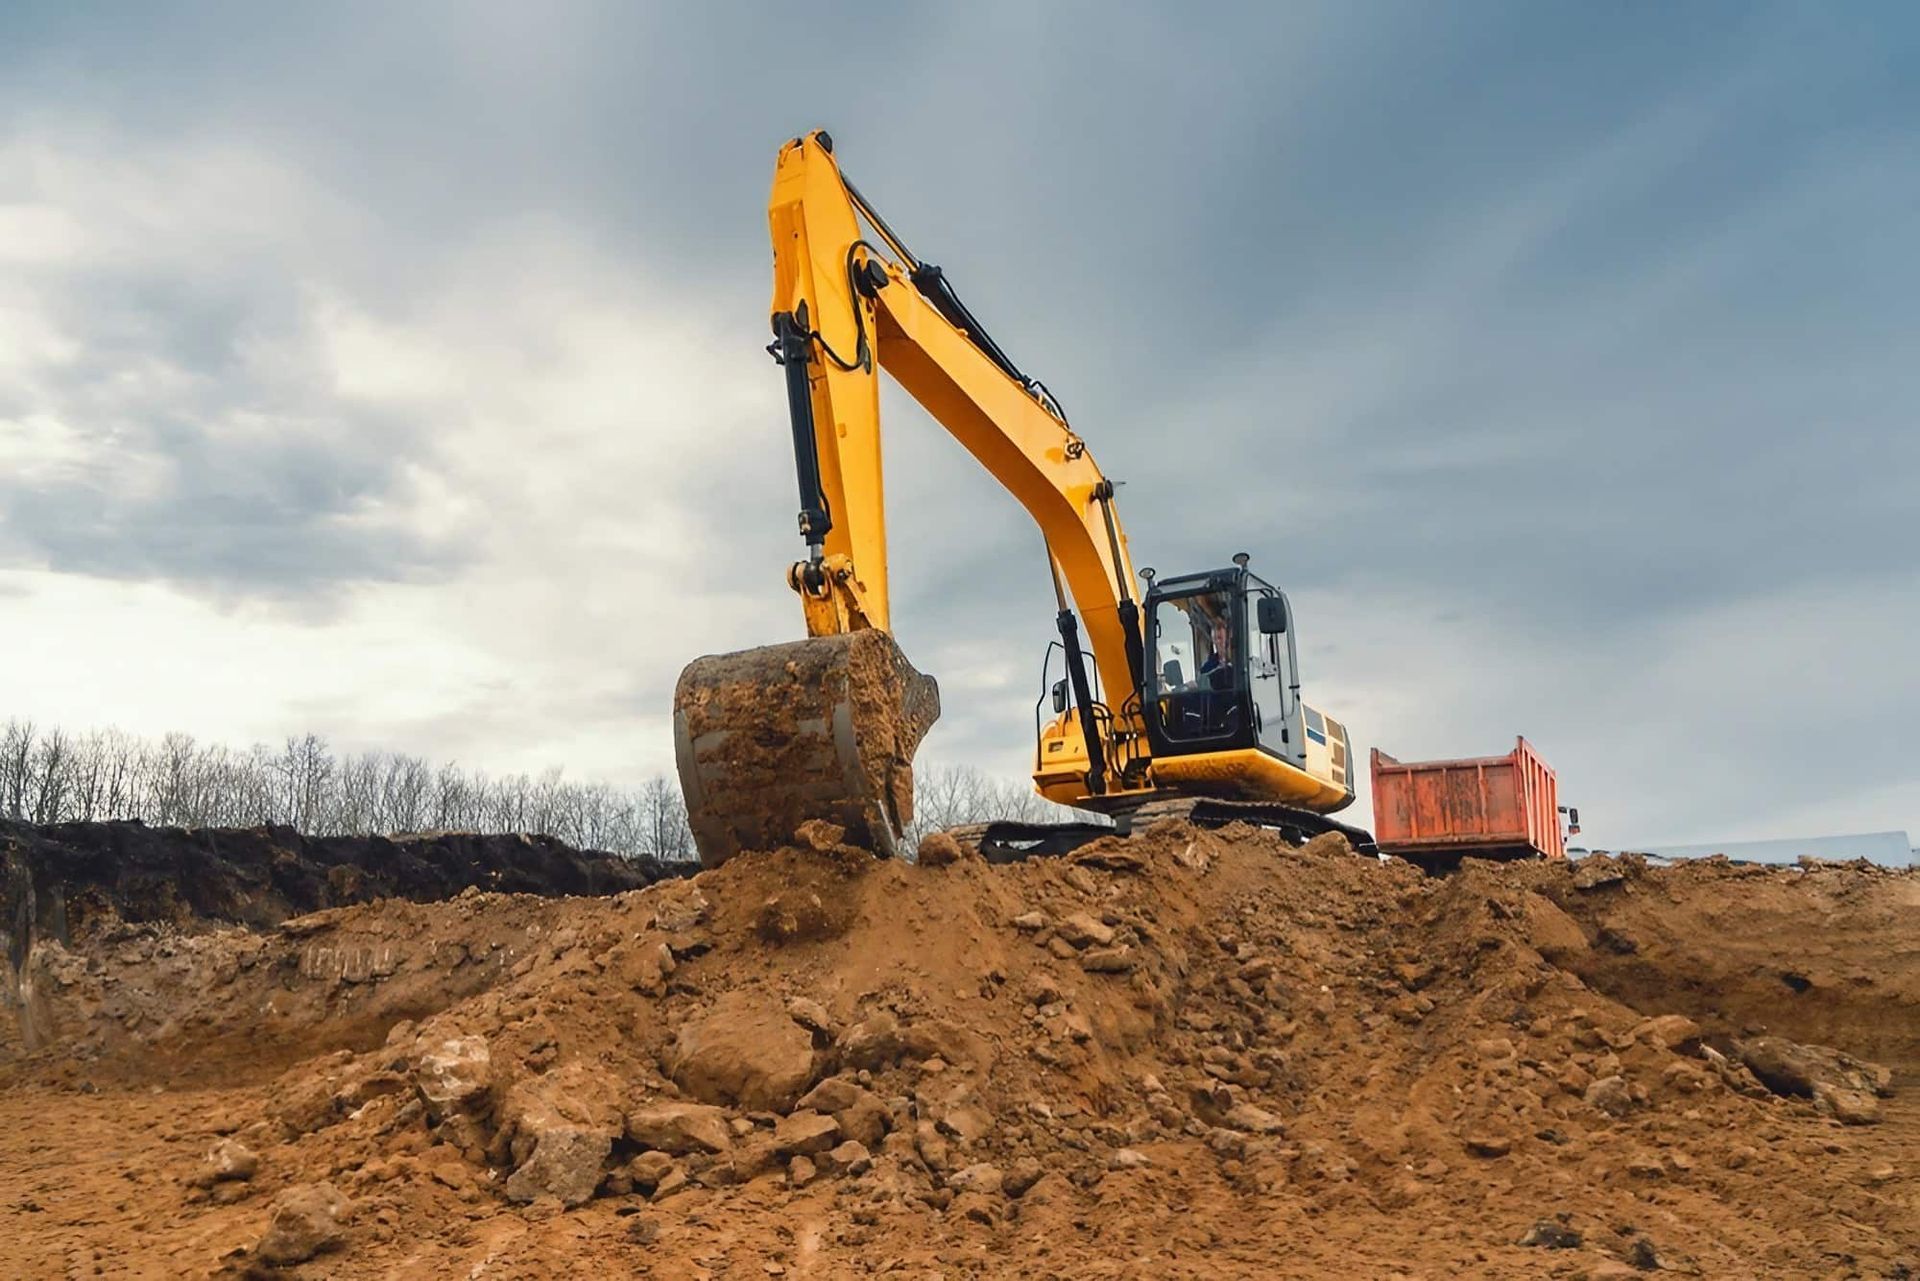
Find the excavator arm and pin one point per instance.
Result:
(844, 309)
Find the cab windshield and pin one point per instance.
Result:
(1196, 656)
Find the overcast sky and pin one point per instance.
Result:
(399, 375)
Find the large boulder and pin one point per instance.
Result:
(680, 1128)
(979, 1177)
(746, 1052)
(677, 906)
(940, 849)
(1840, 1085)
(850, 1157)
(1253, 1120)
(560, 1128)
(874, 1042)
(858, 1110)
(806, 1134)
(1674, 1032)
(307, 1219)
(453, 1075)
(643, 964)
(1611, 1094)
(229, 1160)
(1083, 930)
(880, 1039)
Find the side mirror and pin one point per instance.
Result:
(1272, 612)
(1170, 675)
(1059, 696)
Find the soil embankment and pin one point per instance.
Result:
(146, 906)
(1189, 1054)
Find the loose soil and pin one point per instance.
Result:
(1190, 1054)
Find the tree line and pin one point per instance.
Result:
(54, 776)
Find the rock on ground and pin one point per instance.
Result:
(229, 1160)
(746, 1052)
(453, 1075)
(805, 1133)
(560, 1128)
(306, 1220)
(679, 1128)
(940, 849)
(1844, 1087)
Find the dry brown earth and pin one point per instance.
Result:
(1193, 1054)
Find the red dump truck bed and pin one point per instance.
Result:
(1486, 807)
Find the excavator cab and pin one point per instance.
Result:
(1220, 698)
(1224, 669)
(1218, 706)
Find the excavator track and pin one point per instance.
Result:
(824, 728)
(1010, 842)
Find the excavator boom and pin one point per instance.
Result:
(843, 311)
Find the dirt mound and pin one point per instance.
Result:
(1191, 1054)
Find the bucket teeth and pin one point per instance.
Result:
(824, 728)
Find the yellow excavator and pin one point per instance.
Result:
(1185, 701)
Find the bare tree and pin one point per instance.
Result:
(51, 770)
(307, 770)
(405, 787)
(948, 795)
(663, 821)
(16, 767)
(170, 782)
(54, 776)
(119, 769)
(85, 776)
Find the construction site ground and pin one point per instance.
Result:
(1188, 1054)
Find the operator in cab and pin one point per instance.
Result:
(1218, 667)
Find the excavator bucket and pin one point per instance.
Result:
(823, 728)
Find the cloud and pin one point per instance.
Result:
(166, 413)
(398, 373)
(482, 519)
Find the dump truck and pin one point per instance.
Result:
(1435, 813)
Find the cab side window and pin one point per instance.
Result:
(1275, 704)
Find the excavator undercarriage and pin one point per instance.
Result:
(1012, 842)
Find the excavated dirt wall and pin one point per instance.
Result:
(139, 899)
(1814, 953)
(1190, 1054)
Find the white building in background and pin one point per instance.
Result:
(1889, 849)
